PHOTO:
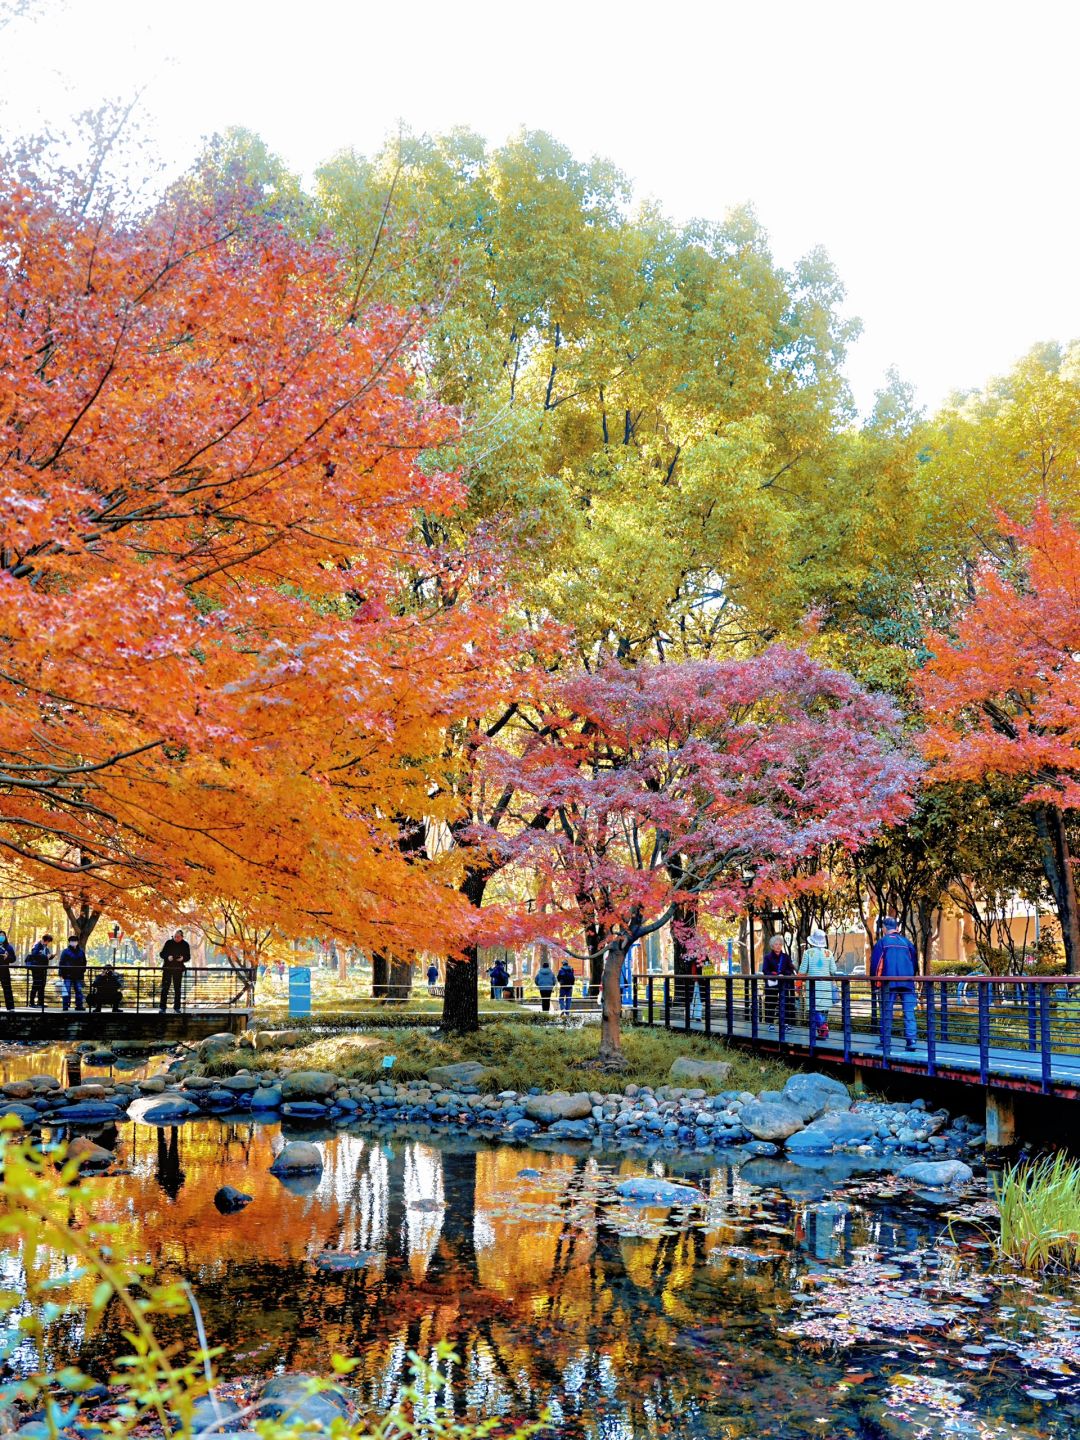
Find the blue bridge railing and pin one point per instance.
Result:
(989, 1029)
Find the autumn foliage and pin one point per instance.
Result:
(224, 660)
(689, 788)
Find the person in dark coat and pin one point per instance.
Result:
(72, 971)
(779, 972)
(894, 963)
(7, 959)
(105, 990)
(500, 978)
(432, 977)
(37, 962)
(566, 978)
(545, 982)
(175, 957)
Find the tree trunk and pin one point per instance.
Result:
(401, 979)
(81, 918)
(1058, 868)
(461, 1008)
(685, 918)
(611, 1051)
(380, 975)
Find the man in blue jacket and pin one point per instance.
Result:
(894, 962)
(72, 971)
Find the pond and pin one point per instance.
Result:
(796, 1303)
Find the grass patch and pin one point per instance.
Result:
(1040, 1213)
(519, 1056)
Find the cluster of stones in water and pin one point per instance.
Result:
(813, 1114)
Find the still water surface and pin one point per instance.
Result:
(798, 1303)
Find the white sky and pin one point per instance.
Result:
(930, 147)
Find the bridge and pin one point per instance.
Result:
(211, 999)
(1006, 1035)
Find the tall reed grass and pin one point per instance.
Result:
(1039, 1203)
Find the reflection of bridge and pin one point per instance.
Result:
(1006, 1035)
(211, 999)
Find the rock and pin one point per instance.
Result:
(463, 1072)
(758, 1148)
(228, 1200)
(267, 1097)
(298, 1157)
(937, 1174)
(345, 1259)
(571, 1130)
(309, 1085)
(89, 1155)
(832, 1130)
(550, 1108)
(290, 1398)
(101, 1057)
(767, 1120)
(813, 1095)
(153, 1084)
(528, 1173)
(278, 1039)
(216, 1415)
(162, 1109)
(305, 1109)
(88, 1112)
(647, 1190)
(686, 1067)
(217, 1044)
(240, 1084)
(86, 1092)
(18, 1090)
(25, 1114)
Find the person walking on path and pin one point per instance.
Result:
(175, 956)
(894, 963)
(432, 977)
(499, 979)
(545, 982)
(566, 978)
(37, 962)
(819, 964)
(7, 959)
(778, 970)
(72, 971)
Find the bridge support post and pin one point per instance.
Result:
(1000, 1119)
(858, 1083)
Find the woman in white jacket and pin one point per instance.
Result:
(819, 964)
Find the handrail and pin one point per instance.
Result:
(1023, 1029)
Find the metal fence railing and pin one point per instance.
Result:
(1020, 1027)
(135, 988)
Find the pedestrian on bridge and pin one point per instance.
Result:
(7, 959)
(72, 971)
(894, 963)
(175, 957)
(566, 978)
(37, 962)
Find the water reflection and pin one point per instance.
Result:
(552, 1296)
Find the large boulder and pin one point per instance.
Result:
(831, 1131)
(162, 1109)
(87, 1092)
(549, 1108)
(290, 1398)
(217, 1044)
(770, 1120)
(240, 1084)
(687, 1068)
(18, 1090)
(648, 1190)
(278, 1039)
(88, 1112)
(298, 1157)
(88, 1155)
(571, 1130)
(309, 1085)
(463, 1072)
(267, 1097)
(937, 1174)
(814, 1095)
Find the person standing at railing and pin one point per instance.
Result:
(566, 979)
(779, 971)
(72, 971)
(7, 959)
(37, 962)
(545, 982)
(819, 964)
(175, 957)
(432, 978)
(894, 964)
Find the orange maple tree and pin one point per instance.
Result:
(226, 665)
(1002, 696)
